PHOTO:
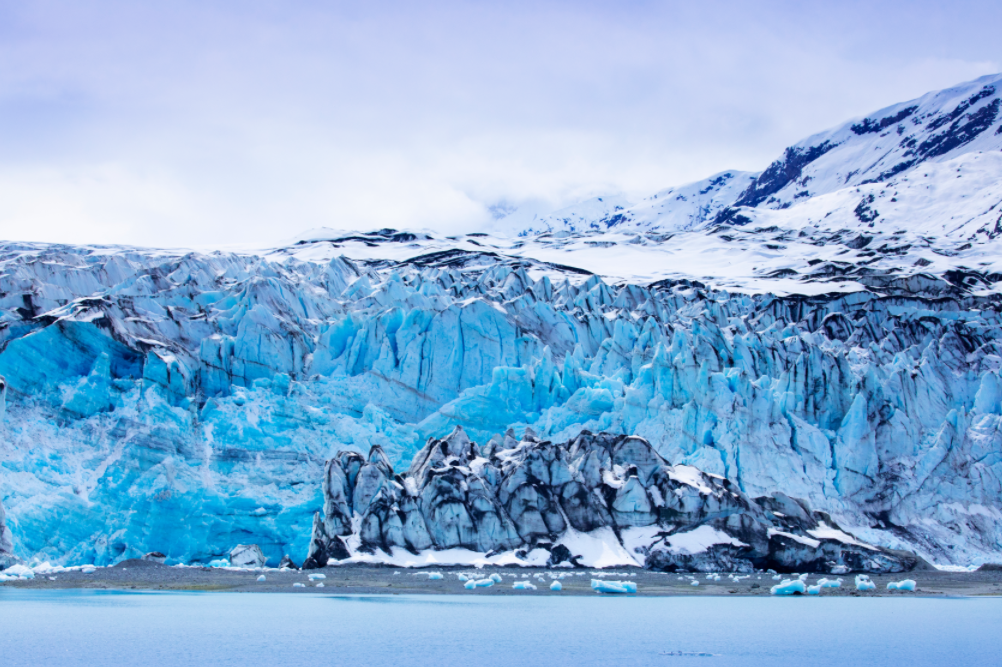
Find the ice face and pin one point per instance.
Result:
(215, 386)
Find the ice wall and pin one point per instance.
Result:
(186, 403)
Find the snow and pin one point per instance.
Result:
(824, 532)
(599, 548)
(699, 540)
(806, 541)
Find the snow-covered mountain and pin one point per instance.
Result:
(828, 329)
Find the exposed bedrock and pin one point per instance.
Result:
(518, 496)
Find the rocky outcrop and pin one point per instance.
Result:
(247, 555)
(7, 557)
(519, 496)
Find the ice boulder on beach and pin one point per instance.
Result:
(556, 586)
(20, 570)
(814, 590)
(470, 585)
(496, 578)
(904, 585)
(829, 583)
(524, 586)
(316, 576)
(261, 578)
(219, 562)
(789, 587)
(435, 576)
(299, 584)
(602, 586)
(483, 583)
(247, 555)
(863, 583)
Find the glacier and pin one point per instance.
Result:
(832, 336)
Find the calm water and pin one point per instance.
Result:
(100, 628)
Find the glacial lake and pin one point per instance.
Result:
(184, 629)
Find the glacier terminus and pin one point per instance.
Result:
(795, 366)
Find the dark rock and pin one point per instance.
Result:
(520, 496)
(155, 557)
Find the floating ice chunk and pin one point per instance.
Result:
(317, 576)
(814, 590)
(261, 578)
(789, 587)
(555, 586)
(470, 585)
(434, 576)
(600, 586)
(829, 583)
(863, 583)
(905, 585)
(464, 578)
(496, 578)
(523, 586)
(299, 584)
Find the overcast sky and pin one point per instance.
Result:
(194, 123)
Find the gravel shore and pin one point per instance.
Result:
(367, 580)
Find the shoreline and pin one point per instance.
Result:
(144, 576)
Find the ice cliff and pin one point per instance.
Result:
(533, 496)
(833, 347)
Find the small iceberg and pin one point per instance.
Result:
(695, 583)
(523, 586)
(219, 562)
(905, 585)
(814, 590)
(20, 571)
(261, 578)
(830, 583)
(434, 576)
(470, 585)
(863, 583)
(600, 586)
(789, 587)
(463, 578)
(496, 578)
(299, 584)
(317, 577)
(555, 586)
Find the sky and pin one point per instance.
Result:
(209, 123)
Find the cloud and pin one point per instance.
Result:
(190, 123)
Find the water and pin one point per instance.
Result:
(166, 629)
